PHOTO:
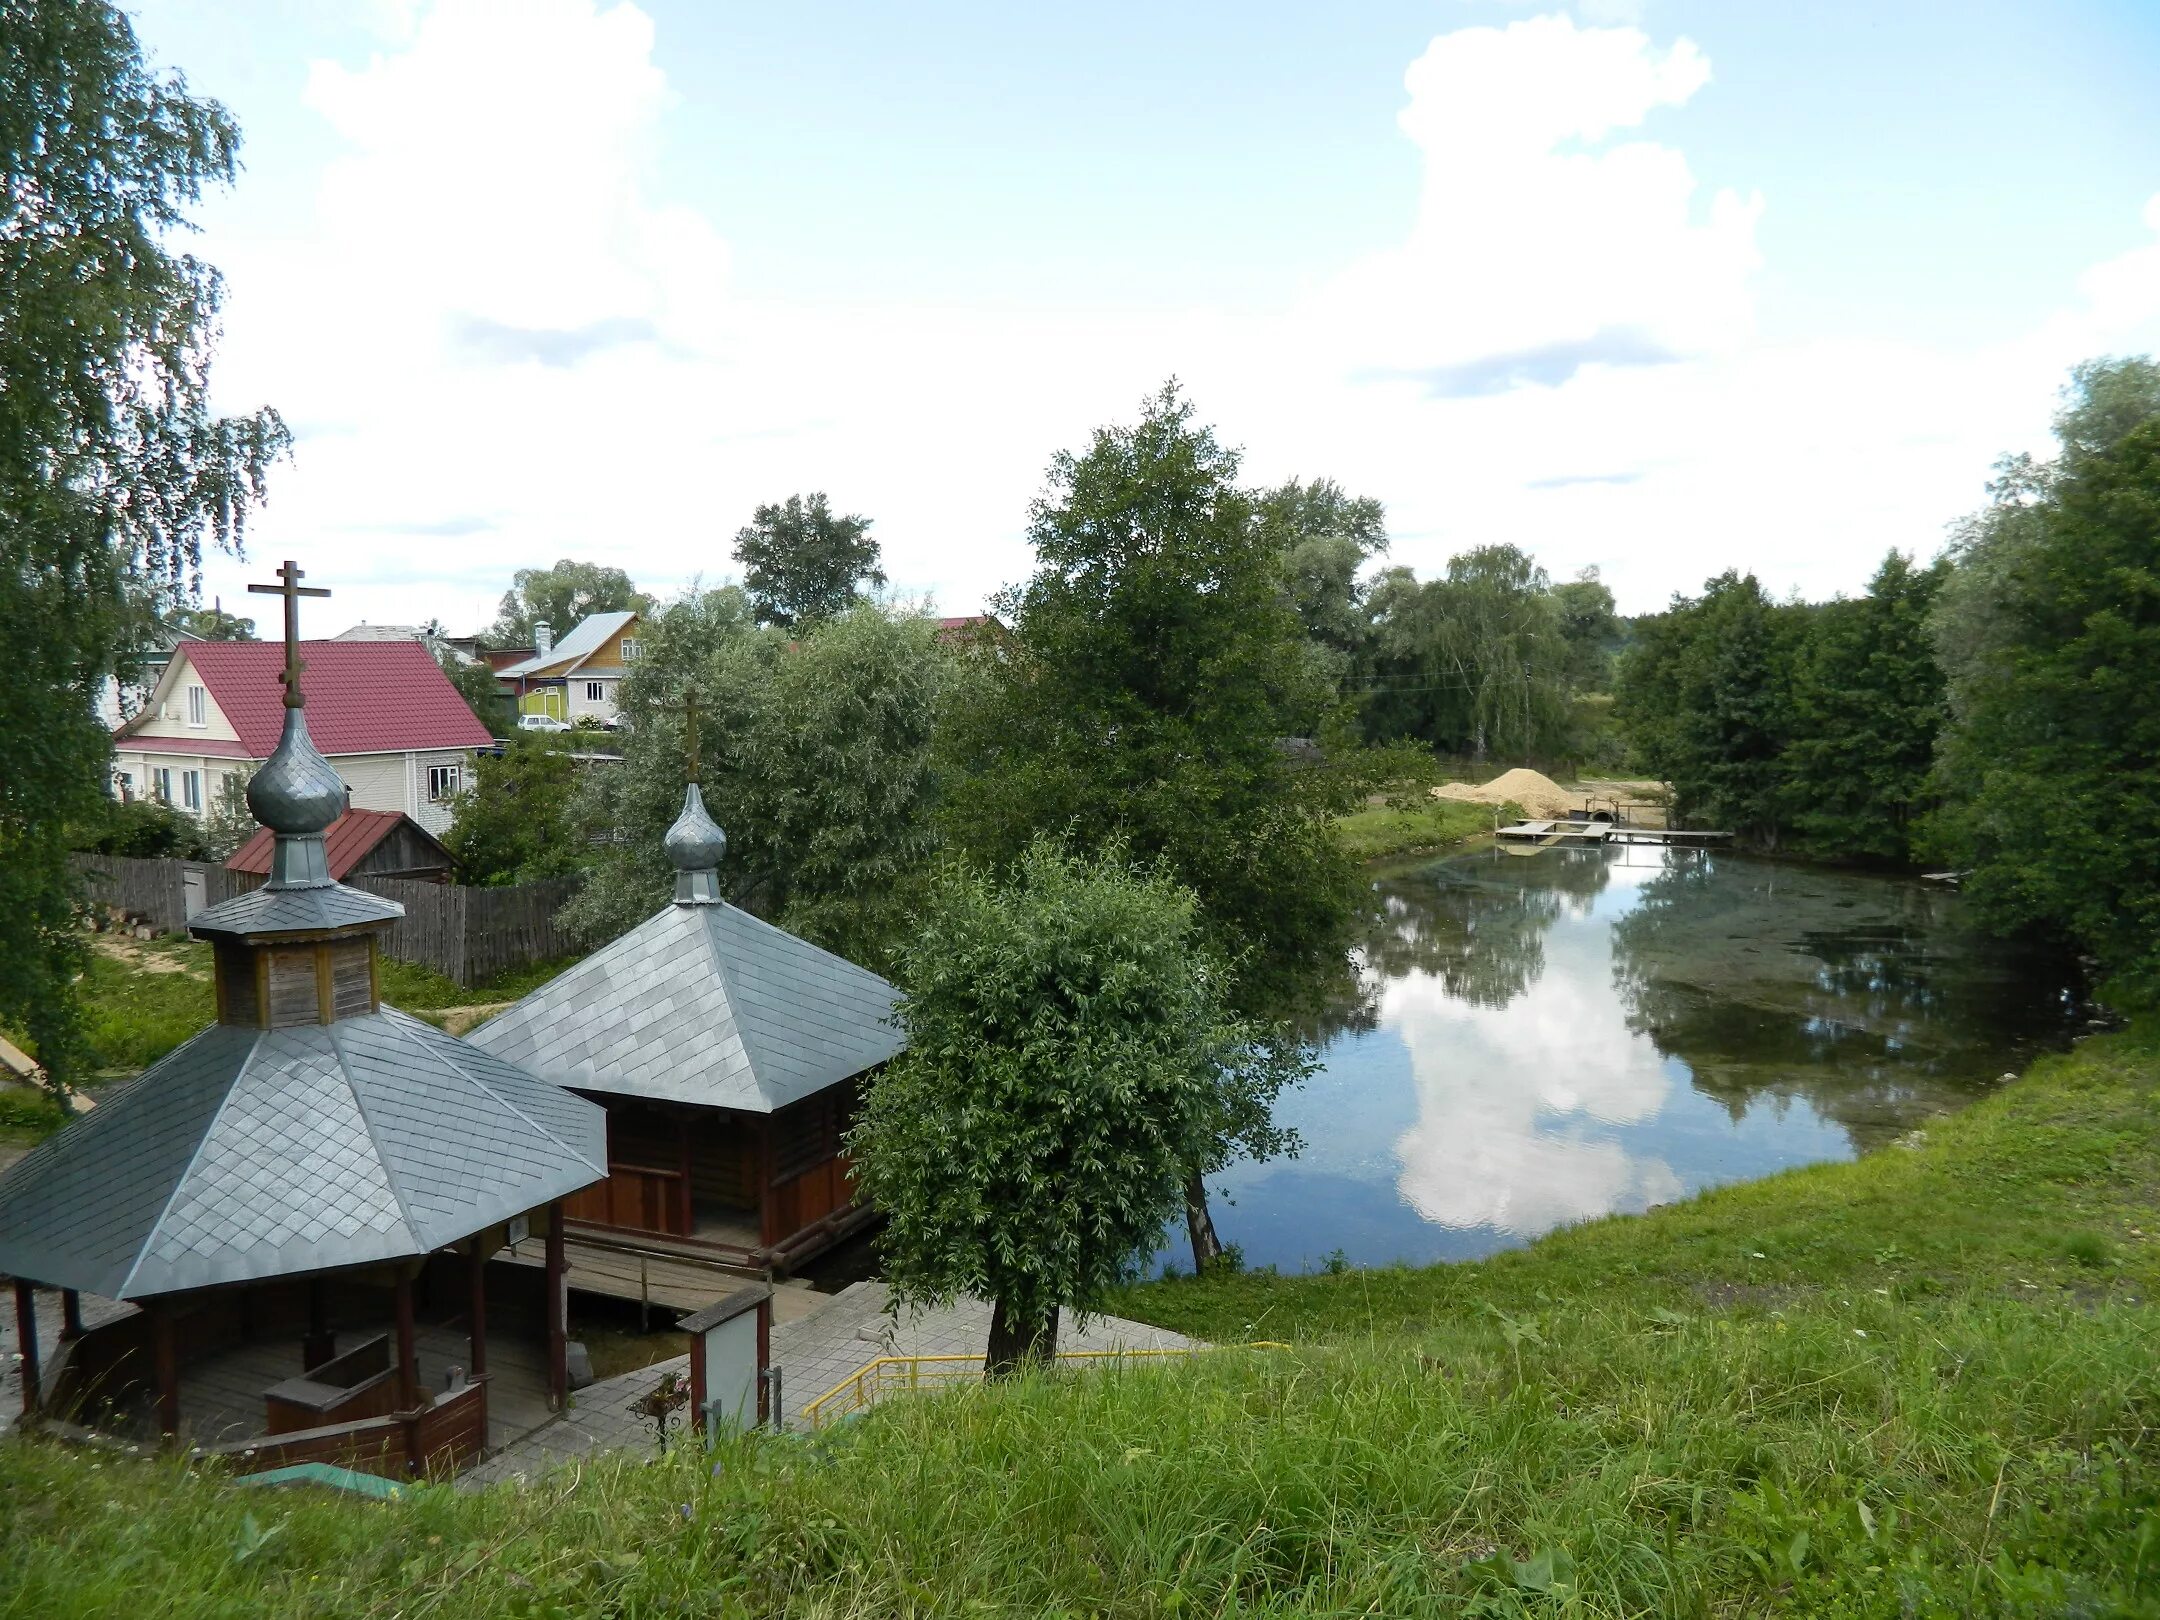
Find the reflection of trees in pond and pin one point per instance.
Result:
(1861, 995)
(1477, 925)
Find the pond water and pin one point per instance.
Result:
(1542, 1039)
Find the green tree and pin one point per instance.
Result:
(1325, 537)
(1071, 1052)
(482, 692)
(1155, 665)
(802, 564)
(1591, 629)
(1706, 695)
(113, 470)
(559, 597)
(2047, 631)
(513, 822)
(213, 624)
(1867, 705)
(815, 754)
(227, 822)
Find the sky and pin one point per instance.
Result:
(1656, 287)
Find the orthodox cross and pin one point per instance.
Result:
(687, 708)
(289, 587)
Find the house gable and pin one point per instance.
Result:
(172, 707)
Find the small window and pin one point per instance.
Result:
(161, 784)
(198, 706)
(596, 691)
(629, 648)
(443, 782)
(191, 790)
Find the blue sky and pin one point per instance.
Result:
(1656, 288)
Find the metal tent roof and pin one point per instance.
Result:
(703, 1004)
(250, 1153)
(590, 634)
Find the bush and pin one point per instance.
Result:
(145, 830)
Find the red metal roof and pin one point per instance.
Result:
(346, 841)
(363, 697)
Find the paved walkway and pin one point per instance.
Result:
(813, 1354)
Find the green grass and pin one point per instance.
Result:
(134, 1014)
(1406, 829)
(1922, 1384)
(27, 1116)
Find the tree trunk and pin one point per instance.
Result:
(1013, 1343)
(1200, 1225)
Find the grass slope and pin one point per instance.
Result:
(1409, 828)
(1922, 1384)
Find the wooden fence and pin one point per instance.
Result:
(465, 934)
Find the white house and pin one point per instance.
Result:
(382, 712)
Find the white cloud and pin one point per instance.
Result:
(500, 346)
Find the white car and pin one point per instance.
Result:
(541, 722)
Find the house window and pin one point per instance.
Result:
(198, 707)
(191, 790)
(596, 691)
(161, 784)
(629, 648)
(443, 782)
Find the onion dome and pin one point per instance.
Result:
(695, 845)
(297, 794)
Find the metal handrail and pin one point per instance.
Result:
(860, 1389)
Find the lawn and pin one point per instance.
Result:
(1411, 827)
(1919, 1384)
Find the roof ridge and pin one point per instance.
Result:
(367, 1122)
(209, 1129)
(754, 1053)
(448, 1054)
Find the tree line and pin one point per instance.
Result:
(1990, 712)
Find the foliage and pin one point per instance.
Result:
(113, 471)
(513, 822)
(144, 829)
(482, 692)
(1424, 823)
(1591, 629)
(411, 987)
(1324, 537)
(815, 756)
(227, 822)
(1154, 668)
(1706, 693)
(1675, 1413)
(2048, 632)
(560, 597)
(212, 624)
(802, 564)
(1472, 663)
(1071, 1059)
(1867, 705)
(28, 1115)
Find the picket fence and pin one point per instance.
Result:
(466, 934)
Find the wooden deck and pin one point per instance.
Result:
(1581, 834)
(652, 1269)
(221, 1396)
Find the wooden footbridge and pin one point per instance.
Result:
(1587, 830)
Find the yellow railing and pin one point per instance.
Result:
(860, 1390)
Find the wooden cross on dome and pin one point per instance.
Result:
(687, 708)
(292, 590)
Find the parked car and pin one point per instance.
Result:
(541, 722)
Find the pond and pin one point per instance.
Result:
(1540, 1039)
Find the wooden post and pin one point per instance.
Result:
(476, 1308)
(165, 1362)
(768, 1215)
(558, 1312)
(70, 1315)
(407, 1368)
(26, 1337)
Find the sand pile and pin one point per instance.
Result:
(1539, 795)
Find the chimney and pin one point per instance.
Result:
(543, 637)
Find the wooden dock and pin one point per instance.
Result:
(1579, 834)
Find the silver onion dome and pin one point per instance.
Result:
(695, 845)
(297, 794)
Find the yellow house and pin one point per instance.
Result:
(577, 677)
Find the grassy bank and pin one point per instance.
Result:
(1922, 1384)
(1407, 829)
